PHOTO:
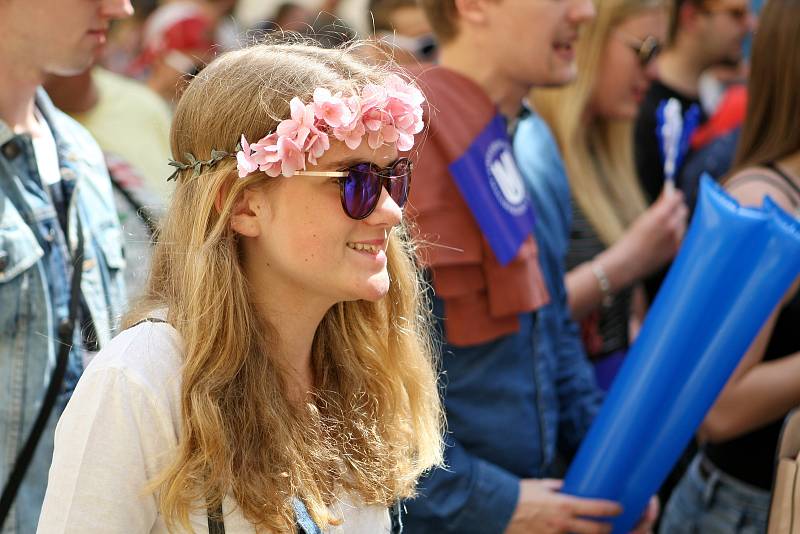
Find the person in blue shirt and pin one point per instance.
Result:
(519, 393)
(53, 186)
(615, 239)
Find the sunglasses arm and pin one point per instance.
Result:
(329, 174)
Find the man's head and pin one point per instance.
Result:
(58, 36)
(530, 42)
(714, 30)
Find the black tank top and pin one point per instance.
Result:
(750, 458)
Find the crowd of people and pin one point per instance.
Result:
(265, 267)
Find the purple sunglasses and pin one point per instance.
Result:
(360, 185)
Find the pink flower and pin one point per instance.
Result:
(388, 113)
(300, 124)
(375, 118)
(408, 124)
(316, 145)
(404, 91)
(291, 155)
(245, 163)
(405, 142)
(331, 109)
(351, 134)
(387, 133)
(265, 153)
(405, 106)
(372, 96)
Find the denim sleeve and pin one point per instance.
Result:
(469, 496)
(579, 397)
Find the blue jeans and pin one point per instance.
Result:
(716, 504)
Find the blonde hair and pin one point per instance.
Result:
(598, 156)
(375, 423)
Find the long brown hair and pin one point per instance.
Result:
(770, 131)
(375, 422)
(599, 156)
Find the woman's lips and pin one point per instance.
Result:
(565, 50)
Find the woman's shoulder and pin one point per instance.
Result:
(148, 354)
(750, 185)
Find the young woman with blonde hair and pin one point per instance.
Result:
(727, 487)
(610, 238)
(279, 372)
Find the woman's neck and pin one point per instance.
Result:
(295, 327)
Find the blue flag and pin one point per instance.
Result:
(491, 185)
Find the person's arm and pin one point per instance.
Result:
(106, 447)
(468, 496)
(578, 393)
(758, 392)
(650, 242)
(473, 496)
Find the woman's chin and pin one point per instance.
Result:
(375, 288)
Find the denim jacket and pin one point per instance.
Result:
(34, 284)
(518, 403)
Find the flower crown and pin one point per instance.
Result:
(388, 113)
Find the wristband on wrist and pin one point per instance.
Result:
(603, 283)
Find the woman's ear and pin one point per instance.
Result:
(246, 211)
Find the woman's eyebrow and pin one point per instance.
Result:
(346, 162)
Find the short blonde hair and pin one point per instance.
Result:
(376, 423)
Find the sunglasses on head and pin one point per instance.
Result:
(646, 49)
(360, 185)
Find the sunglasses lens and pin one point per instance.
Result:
(400, 181)
(361, 190)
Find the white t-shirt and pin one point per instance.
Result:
(44, 145)
(120, 429)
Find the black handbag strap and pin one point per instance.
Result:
(216, 523)
(65, 336)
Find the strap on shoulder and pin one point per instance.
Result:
(147, 320)
(216, 523)
(396, 515)
(775, 178)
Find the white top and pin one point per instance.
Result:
(44, 146)
(119, 430)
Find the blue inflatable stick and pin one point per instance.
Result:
(734, 266)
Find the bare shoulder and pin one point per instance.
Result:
(749, 186)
